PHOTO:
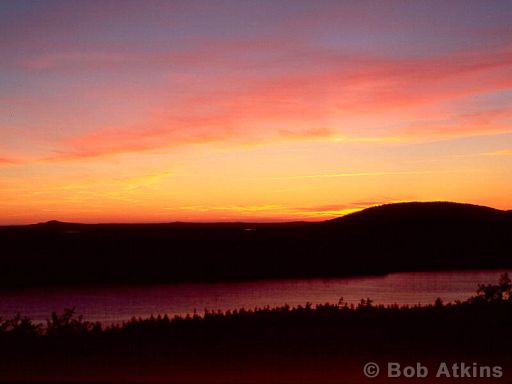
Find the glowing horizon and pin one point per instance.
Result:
(251, 111)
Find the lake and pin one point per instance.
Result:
(113, 304)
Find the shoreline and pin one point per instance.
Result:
(115, 303)
(311, 344)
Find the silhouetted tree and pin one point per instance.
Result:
(19, 325)
(68, 324)
(496, 292)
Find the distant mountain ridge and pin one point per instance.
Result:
(388, 238)
(426, 210)
(443, 210)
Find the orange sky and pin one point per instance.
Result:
(254, 111)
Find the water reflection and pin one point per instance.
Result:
(114, 303)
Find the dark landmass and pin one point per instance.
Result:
(378, 240)
(324, 344)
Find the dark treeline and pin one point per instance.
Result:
(492, 304)
(67, 346)
(396, 237)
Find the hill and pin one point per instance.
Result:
(378, 240)
(427, 211)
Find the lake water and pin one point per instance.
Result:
(119, 303)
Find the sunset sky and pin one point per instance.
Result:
(251, 110)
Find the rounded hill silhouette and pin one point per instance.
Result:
(421, 212)
(377, 240)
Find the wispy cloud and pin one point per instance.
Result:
(11, 161)
(345, 99)
(233, 208)
(321, 212)
(98, 107)
(352, 174)
(505, 152)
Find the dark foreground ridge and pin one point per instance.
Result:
(327, 343)
(378, 240)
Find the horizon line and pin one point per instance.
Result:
(263, 221)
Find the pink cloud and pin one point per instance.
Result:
(302, 103)
(7, 161)
(494, 121)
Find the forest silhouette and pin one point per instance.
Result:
(480, 326)
(378, 240)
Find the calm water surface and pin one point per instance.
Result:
(114, 304)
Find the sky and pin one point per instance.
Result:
(156, 111)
